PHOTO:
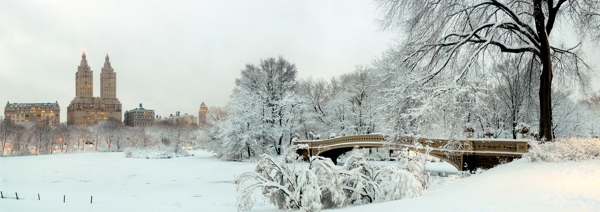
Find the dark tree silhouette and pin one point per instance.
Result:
(449, 35)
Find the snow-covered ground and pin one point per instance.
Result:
(204, 183)
(197, 183)
(516, 186)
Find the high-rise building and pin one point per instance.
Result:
(45, 113)
(108, 81)
(89, 110)
(139, 117)
(84, 80)
(202, 115)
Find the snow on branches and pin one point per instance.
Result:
(263, 112)
(366, 182)
(565, 149)
(323, 185)
(287, 188)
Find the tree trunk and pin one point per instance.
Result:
(546, 102)
(514, 131)
(546, 77)
(279, 147)
(248, 146)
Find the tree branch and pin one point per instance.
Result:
(552, 16)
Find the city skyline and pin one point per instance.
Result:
(173, 57)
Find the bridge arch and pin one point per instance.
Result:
(334, 153)
(476, 153)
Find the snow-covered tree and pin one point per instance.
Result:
(263, 112)
(448, 38)
(239, 131)
(346, 105)
(573, 118)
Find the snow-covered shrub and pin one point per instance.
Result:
(330, 182)
(416, 164)
(276, 180)
(398, 184)
(323, 185)
(365, 182)
(359, 179)
(155, 152)
(565, 149)
(283, 186)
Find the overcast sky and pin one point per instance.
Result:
(173, 55)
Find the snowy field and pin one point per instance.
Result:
(198, 183)
(204, 183)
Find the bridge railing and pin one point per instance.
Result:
(345, 139)
(476, 145)
(468, 145)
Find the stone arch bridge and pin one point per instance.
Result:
(474, 153)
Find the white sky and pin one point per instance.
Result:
(173, 55)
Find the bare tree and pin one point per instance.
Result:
(82, 135)
(7, 128)
(515, 77)
(451, 35)
(64, 134)
(29, 135)
(41, 134)
(111, 130)
(18, 140)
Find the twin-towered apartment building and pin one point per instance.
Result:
(85, 109)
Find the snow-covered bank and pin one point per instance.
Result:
(204, 183)
(516, 186)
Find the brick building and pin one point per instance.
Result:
(46, 113)
(139, 117)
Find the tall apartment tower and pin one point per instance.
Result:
(84, 80)
(108, 81)
(202, 115)
(88, 110)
